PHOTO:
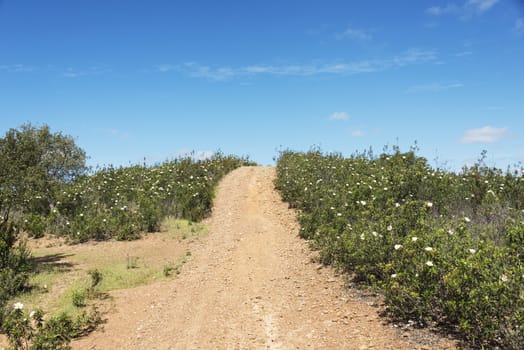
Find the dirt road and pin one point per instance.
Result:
(249, 284)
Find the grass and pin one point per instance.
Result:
(182, 229)
(61, 275)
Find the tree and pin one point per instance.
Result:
(35, 164)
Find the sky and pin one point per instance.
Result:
(133, 80)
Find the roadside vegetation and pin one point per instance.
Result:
(46, 188)
(446, 248)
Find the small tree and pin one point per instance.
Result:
(34, 164)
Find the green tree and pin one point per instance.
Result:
(34, 164)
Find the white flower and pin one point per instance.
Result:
(429, 263)
(374, 233)
(394, 275)
(18, 306)
(471, 251)
(451, 232)
(428, 249)
(389, 228)
(363, 202)
(32, 314)
(339, 214)
(397, 205)
(362, 236)
(504, 278)
(398, 246)
(429, 204)
(466, 219)
(414, 239)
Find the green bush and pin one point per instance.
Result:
(14, 264)
(123, 202)
(29, 331)
(446, 248)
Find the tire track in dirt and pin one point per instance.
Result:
(250, 284)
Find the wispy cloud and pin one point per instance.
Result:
(16, 68)
(116, 133)
(339, 116)
(76, 73)
(463, 10)
(463, 53)
(442, 10)
(519, 25)
(487, 134)
(355, 34)
(481, 5)
(433, 87)
(410, 57)
(358, 133)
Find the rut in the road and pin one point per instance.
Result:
(250, 284)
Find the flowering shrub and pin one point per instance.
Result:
(447, 248)
(30, 331)
(123, 202)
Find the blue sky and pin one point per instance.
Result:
(154, 79)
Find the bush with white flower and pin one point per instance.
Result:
(447, 248)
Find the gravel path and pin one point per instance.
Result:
(249, 284)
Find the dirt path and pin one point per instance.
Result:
(250, 284)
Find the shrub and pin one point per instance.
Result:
(29, 331)
(446, 248)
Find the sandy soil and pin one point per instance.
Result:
(250, 284)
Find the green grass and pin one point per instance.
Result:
(61, 272)
(182, 229)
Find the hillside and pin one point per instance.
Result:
(251, 283)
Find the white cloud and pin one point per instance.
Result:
(16, 68)
(165, 68)
(339, 116)
(485, 134)
(75, 73)
(409, 57)
(442, 10)
(465, 10)
(119, 134)
(355, 34)
(519, 25)
(358, 133)
(481, 5)
(433, 87)
(463, 53)
(72, 73)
